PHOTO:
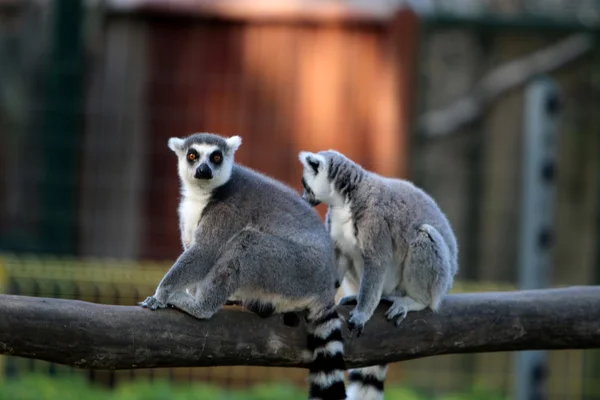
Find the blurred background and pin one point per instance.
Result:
(493, 106)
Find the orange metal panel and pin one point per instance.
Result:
(289, 11)
(283, 87)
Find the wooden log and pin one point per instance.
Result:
(97, 336)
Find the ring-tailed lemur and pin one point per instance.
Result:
(249, 237)
(392, 241)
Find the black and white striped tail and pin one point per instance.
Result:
(367, 383)
(326, 352)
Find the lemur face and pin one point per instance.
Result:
(205, 159)
(317, 187)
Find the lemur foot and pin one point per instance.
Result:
(400, 308)
(357, 321)
(397, 310)
(348, 300)
(152, 303)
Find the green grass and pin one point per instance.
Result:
(43, 387)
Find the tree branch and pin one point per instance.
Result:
(501, 79)
(97, 336)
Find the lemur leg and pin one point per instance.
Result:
(264, 309)
(220, 283)
(344, 264)
(250, 248)
(224, 278)
(426, 277)
(191, 263)
(401, 306)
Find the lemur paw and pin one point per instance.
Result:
(348, 300)
(152, 303)
(357, 321)
(397, 310)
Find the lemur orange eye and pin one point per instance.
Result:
(216, 158)
(191, 157)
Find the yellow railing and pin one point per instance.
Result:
(127, 282)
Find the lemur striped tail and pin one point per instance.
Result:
(327, 365)
(367, 383)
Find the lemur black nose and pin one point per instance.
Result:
(203, 172)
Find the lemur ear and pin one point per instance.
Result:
(234, 143)
(310, 160)
(176, 144)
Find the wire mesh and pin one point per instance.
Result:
(89, 96)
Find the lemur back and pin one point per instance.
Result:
(393, 243)
(250, 237)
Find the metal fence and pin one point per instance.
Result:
(90, 93)
(110, 282)
(127, 282)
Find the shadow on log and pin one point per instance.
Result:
(96, 336)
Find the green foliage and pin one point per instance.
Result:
(75, 387)
(43, 387)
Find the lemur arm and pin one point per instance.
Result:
(376, 248)
(190, 267)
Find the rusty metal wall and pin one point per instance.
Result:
(282, 86)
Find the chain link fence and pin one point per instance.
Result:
(91, 91)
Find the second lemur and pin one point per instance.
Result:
(393, 243)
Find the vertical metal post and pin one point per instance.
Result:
(63, 124)
(541, 117)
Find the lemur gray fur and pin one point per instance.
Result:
(251, 238)
(393, 243)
